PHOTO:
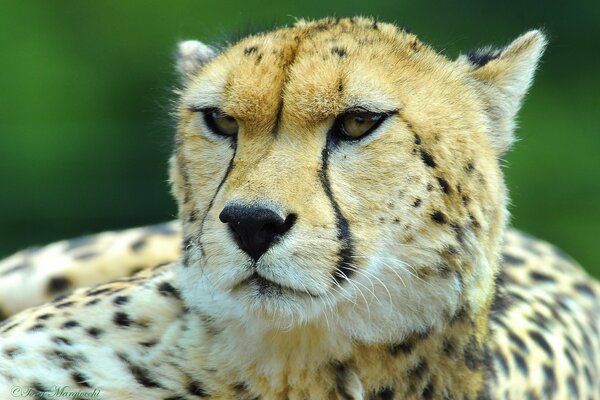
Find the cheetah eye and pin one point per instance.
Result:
(357, 124)
(220, 123)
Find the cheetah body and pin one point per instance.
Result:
(397, 278)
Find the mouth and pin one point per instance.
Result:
(267, 287)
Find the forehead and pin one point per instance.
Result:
(308, 72)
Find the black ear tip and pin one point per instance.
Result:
(481, 57)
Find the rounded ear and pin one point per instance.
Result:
(191, 55)
(503, 77)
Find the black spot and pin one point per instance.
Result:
(65, 304)
(465, 200)
(444, 185)
(588, 375)
(18, 267)
(80, 379)
(60, 297)
(585, 289)
(481, 57)
(140, 374)
(36, 327)
(250, 50)
(404, 347)
(518, 341)
(501, 301)
(513, 260)
(80, 242)
(160, 265)
(385, 394)
(151, 343)
(473, 354)
(241, 388)
(121, 319)
(461, 314)
(61, 340)
(93, 332)
(374, 25)
(449, 347)
(96, 292)
(542, 342)
(414, 45)
(438, 217)
(166, 289)
(428, 392)
(12, 352)
(458, 231)
(417, 139)
(70, 324)
(39, 387)
(501, 360)
(135, 270)
(573, 388)
(92, 302)
(550, 386)
(120, 300)
(44, 317)
(571, 360)
(196, 389)
(427, 158)
(8, 327)
(417, 203)
(418, 371)
(57, 284)
(444, 270)
(138, 244)
(470, 167)
(338, 51)
(540, 277)
(341, 380)
(474, 222)
(193, 217)
(521, 364)
(85, 255)
(541, 320)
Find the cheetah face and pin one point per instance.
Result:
(338, 171)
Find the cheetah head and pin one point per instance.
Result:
(343, 172)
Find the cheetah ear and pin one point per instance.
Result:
(191, 55)
(504, 77)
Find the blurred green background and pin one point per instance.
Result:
(86, 90)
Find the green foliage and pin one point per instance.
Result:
(86, 91)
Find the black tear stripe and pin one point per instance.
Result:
(344, 266)
(210, 204)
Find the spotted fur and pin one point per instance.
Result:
(397, 278)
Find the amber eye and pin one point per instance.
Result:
(354, 125)
(220, 123)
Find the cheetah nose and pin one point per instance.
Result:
(255, 228)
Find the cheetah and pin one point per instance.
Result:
(342, 234)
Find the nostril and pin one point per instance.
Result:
(255, 228)
(288, 223)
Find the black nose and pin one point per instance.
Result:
(255, 228)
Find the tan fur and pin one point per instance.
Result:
(387, 277)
